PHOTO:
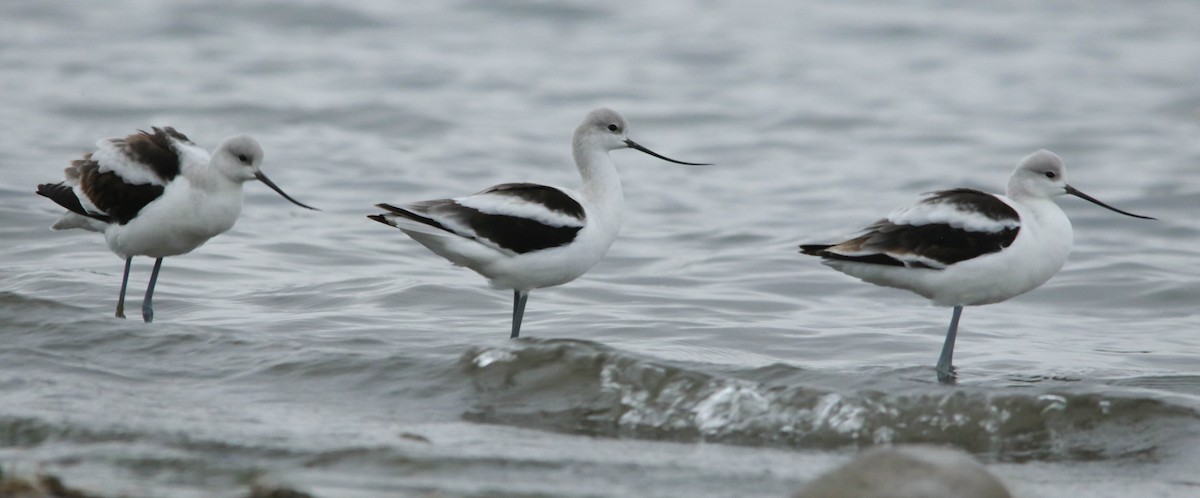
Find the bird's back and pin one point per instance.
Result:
(114, 183)
(518, 235)
(951, 247)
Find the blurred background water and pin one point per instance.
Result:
(703, 356)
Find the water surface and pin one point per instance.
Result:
(703, 356)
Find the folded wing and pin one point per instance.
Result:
(945, 228)
(123, 175)
(515, 218)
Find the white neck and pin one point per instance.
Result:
(601, 185)
(209, 178)
(205, 175)
(1046, 223)
(1046, 208)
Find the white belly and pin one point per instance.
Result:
(176, 223)
(1039, 251)
(531, 270)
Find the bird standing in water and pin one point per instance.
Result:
(525, 236)
(157, 194)
(963, 247)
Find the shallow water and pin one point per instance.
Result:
(703, 356)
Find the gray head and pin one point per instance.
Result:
(240, 158)
(1042, 175)
(606, 129)
(1039, 175)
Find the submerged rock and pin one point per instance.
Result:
(276, 492)
(42, 486)
(908, 472)
(48, 486)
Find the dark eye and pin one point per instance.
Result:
(612, 127)
(243, 158)
(1050, 175)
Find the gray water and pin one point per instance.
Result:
(703, 356)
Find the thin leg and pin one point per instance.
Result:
(124, 282)
(147, 306)
(945, 370)
(519, 298)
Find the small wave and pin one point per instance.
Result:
(585, 388)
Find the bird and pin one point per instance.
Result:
(525, 236)
(157, 194)
(964, 247)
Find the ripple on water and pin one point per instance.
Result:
(614, 394)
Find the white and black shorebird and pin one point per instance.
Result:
(525, 236)
(964, 247)
(157, 194)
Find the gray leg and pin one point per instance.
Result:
(147, 307)
(124, 282)
(945, 370)
(519, 298)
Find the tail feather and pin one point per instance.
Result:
(814, 249)
(408, 220)
(64, 195)
(381, 218)
(822, 250)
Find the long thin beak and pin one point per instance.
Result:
(634, 145)
(1071, 190)
(267, 181)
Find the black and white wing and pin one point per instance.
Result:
(514, 218)
(123, 175)
(945, 228)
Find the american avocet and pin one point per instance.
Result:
(525, 236)
(964, 247)
(157, 194)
